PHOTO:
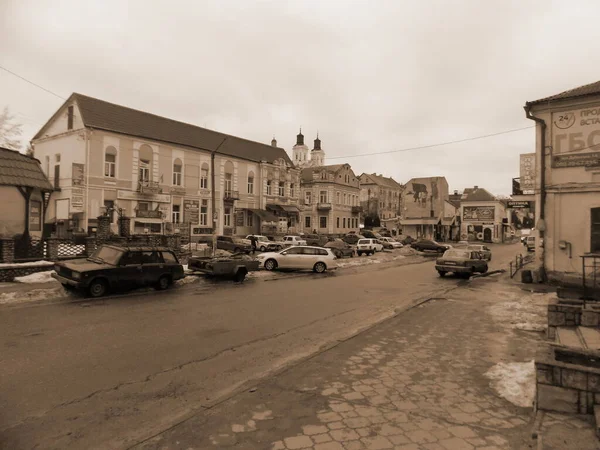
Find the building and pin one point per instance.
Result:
(521, 206)
(303, 157)
(164, 174)
(567, 180)
(25, 192)
(380, 197)
(331, 199)
(423, 208)
(483, 216)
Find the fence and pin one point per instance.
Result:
(518, 264)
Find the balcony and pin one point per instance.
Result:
(148, 214)
(356, 209)
(177, 190)
(324, 206)
(149, 187)
(230, 195)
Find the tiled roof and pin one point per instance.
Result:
(380, 180)
(307, 173)
(17, 169)
(581, 91)
(477, 195)
(107, 116)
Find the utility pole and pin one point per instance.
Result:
(213, 198)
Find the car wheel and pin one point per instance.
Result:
(359, 253)
(240, 275)
(236, 250)
(485, 269)
(263, 248)
(97, 288)
(339, 254)
(163, 283)
(320, 267)
(441, 273)
(270, 264)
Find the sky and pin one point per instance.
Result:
(368, 76)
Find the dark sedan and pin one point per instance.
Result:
(340, 248)
(428, 245)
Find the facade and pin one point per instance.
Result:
(423, 208)
(164, 174)
(380, 197)
(303, 157)
(567, 180)
(483, 216)
(331, 199)
(25, 191)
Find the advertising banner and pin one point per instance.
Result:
(527, 175)
(191, 211)
(35, 215)
(478, 213)
(576, 138)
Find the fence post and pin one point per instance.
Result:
(510, 270)
(7, 250)
(90, 245)
(51, 249)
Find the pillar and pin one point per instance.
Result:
(124, 226)
(103, 232)
(7, 250)
(52, 249)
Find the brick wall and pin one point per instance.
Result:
(8, 274)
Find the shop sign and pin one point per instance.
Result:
(76, 200)
(518, 204)
(35, 215)
(527, 173)
(191, 211)
(576, 138)
(478, 213)
(78, 174)
(131, 195)
(591, 159)
(148, 214)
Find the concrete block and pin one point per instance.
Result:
(555, 398)
(574, 379)
(551, 332)
(583, 402)
(597, 416)
(556, 376)
(556, 319)
(569, 315)
(589, 318)
(544, 376)
(593, 383)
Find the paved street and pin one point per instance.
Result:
(111, 373)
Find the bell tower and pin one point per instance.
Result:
(317, 155)
(300, 151)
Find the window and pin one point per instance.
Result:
(131, 259)
(281, 189)
(338, 222)
(110, 209)
(176, 213)
(70, 118)
(169, 257)
(307, 222)
(228, 183)
(151, 258)
(292, 193)
(249, 219)
(204, 177)
(323, 197)
(57, 158)
(204, 212)
(177, 166)
(227, 216)
(57, 176)
(337, 198)
(308, 197)
(345, 199)
(344, 223)
(251, 183)
(144, 170)
(110, 162)
(268, 187)
(595, 231)
(143, 206)
(323, 222)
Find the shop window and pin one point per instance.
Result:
(307, 222)
(323, 222)
(250, 219)
(204, 212)
(595, 245)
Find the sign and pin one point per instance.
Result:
(62, 209)
(149, 214)
(589, 159)
(478, 213)
(77, 177)
(239, 219)
(191, 211)
(576, 133)
(35, 215)
(131, 195)
(518, 204)
(76, 200)
(527, 175)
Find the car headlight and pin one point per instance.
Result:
(76, 275)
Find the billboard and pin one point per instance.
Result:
(479, 213)
(423, 195)
(527, 172)
(191, 211)
(576, 137)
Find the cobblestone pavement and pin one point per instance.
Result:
(417, 381)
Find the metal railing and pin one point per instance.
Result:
(519, 262)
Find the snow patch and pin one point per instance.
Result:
(26, 264)
(522, 311)
(38, 277)
(514, 381)
(31, 296)
(359, 262)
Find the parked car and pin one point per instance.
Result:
(264, 244)
(369, 234)
(392, 242)
(112, 267)
(341, 248)
(233, 244)
(424, 245)
(352, 238)
(462, 243)
(302, 257)
(530, 243)
(289, 241)
(405, 240)
(385, 244)
(483, 249)
(317, 240)
(368, 246)
(461, 262)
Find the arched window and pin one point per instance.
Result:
(177, 172)
(250, 182)
(204, 176)
(110, 162)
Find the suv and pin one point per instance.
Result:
(316, 240)
(113, 267)
(368, 246)
(263, 243)
(233, 244)
(461, 262)
(423, 245)
(293, 240)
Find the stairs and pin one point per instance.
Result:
(578, 337)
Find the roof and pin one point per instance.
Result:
(477, 194)
(581, 91)
(17, 169)
(380, 180)
(307, 173)
(103, 115)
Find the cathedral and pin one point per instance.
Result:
(303, 157)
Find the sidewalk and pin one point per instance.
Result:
(454, 373)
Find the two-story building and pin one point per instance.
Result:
(423, 208)
(567, 180)
(162, 173)
(482, 216)
(380, 197)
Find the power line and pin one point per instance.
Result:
(32, 83)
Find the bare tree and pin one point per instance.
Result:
(10, 130)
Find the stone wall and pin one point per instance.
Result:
(563, 315)
(9, 273)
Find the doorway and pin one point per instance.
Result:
(487, 235)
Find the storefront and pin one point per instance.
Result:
(483, 221)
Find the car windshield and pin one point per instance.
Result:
(108, 255)
(457, 254)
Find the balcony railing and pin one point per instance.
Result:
(177, 190)
(148, 214)
(324, 206)
(357, 209)
(148, 187)
(231, 195)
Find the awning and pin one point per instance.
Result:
(275, 207)
(418, 222)
(290, 208)
(448, 221)
(265, 216)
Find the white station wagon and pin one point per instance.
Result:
(304, 257)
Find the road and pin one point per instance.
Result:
(110, 373)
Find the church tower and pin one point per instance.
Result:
(300, 151)
(317, 155)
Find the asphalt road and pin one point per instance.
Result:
(110, 373)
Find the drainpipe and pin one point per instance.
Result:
(213, 198)
(541, 225)
(87, 179)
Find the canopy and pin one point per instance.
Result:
(290, 208)
(264, 215)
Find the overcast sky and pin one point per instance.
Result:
(370, 76)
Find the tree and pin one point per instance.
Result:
(10, 130)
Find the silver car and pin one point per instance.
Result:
(486, 253)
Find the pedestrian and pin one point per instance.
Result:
(253, 243)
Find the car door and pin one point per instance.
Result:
(289, 258)
(152, 267)
(130, 273)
